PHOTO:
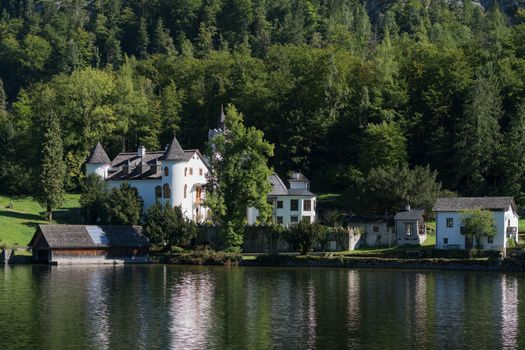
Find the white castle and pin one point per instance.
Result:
(178, 177)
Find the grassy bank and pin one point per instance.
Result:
(18, 223)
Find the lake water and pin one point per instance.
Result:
(185, 307)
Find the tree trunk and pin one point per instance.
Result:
(49, 214)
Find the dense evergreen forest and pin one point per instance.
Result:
(352, 93)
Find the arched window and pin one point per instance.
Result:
(185, 171)
(158, 192)
(167, 191)
(166, 171)
(185, 190)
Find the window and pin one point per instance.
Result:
(191, 171)
(375, 228)
(166, 171)
(462, 230)
(294, 219)
(280, 220)
(185, 191)
(198, 193)
(307, 205)
(445, 240)
(408, 229)
(294, 205)
(450, 222)
(167, 191)
(158, 192)
(185, 171)
(200, 171)
(490, 239)
(279, 204)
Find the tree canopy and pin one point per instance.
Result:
(337, 86)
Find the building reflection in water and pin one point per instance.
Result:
(353, 300)
(509, 312)
(97, 308)
(191, 311)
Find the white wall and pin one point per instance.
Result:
(99, 169)
(146, 189)
(285, 212)
(176, 179)
(456, 238)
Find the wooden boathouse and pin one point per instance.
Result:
(80, 244)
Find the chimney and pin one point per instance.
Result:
(141, 151)
(407, 207)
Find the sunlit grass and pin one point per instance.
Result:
(18, 223)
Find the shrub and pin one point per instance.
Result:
(305, 236)
(163, 224)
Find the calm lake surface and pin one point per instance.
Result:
(185, 307)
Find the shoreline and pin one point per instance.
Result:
(314, 261)
(494, 265)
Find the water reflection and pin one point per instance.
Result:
(257, 308)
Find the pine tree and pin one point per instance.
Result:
(478, 136)
(124, 205)
(50, 191)
(142, 39)
(162, 41)
(513, 157)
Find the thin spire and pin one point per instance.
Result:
(222, 119)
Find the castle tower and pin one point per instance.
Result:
(98, 162)
(173, 172)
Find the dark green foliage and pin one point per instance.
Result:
(164, 224)
(387, 190)
(124, 205)
(239, 177)
(304, 236)
(339, 87)
(50, 184)
(94, 200)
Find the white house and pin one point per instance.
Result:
(449, 224)
(410, 226)
(290, 204)
(175, 176)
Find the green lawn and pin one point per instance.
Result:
(18, 224)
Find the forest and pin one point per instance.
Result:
(363, 97)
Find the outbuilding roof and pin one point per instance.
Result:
(412, 214)
(81, 236)
(469, 203)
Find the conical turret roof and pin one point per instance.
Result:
(98, 155)
(175, 151)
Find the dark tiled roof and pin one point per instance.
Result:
(296, 176)
(280, 189)
(77, 236)
(413, 214)
(149, 159)
(299, 192)
(175, 151)
(98, 155)
(468, 203)
(278, 186)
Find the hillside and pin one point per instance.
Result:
(351, 93)
(18, 224)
